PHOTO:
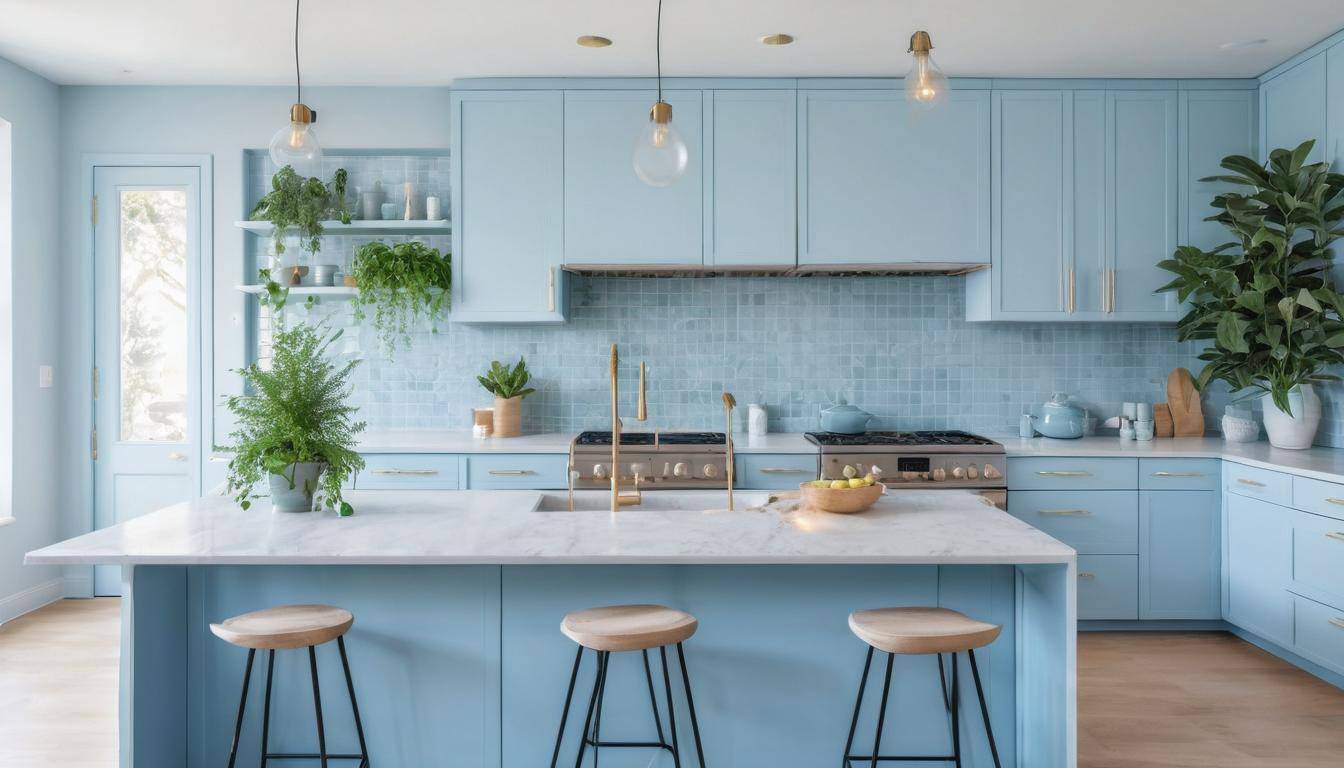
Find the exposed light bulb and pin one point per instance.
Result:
(660, 156)
(925, 84)
(296, 145)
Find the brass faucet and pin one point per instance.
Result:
(729, 403)
(634, 497)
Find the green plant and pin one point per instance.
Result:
(401, 284)
(505, 382)
(301, 203)
(297, 412)
(1266, 300)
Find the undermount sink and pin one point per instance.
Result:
(656, 501)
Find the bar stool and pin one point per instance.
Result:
(920, 631)
(284, 628)
(619, 628)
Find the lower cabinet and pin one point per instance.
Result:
(1259, 560)
(1179, 555)
(1108, 587)
(774, 471)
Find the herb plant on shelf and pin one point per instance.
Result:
(1266, 300)
(400, 285)
(301, 204)
(509, 386)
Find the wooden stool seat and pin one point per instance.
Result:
(285, 627)
(921, 630)
(628, 627)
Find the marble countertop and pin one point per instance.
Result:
(461, 441)
(1319, 462)
(515, 527)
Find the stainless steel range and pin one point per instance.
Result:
(661, 460)
(921, 459)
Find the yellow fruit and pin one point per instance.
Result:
(839, 484)
(869, 479)
(856, 482)
(821, 483)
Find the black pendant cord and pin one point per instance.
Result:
(298, 79)
(658, 49)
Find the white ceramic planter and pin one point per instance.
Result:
(296, 496)
(1298, 430)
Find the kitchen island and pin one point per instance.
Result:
(457, 597)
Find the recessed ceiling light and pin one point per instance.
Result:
(1232, 46)
(593, 41)
(779, 38)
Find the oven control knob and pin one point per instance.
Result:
(958, 473)
(600, 471)
(710, 470)
(939, 474)
(667, 469)
(680, 470)
(876, 471)
(992, 472)
(973, 472)
(637, 470)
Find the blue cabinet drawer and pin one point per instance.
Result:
(409, 471)
(773, 471)
(1179, 474)
(1092, 522)
(1319, 496)
(1274, 487)
(1108, 587)
(529, 471)
(1072, 473)
(1318, 553)
(1318, 632)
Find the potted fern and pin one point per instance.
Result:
(509, 386)
(1266, 300)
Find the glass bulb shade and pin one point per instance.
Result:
(296, 145)
(660, 154)
(925, 84)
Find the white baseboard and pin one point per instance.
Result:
(31, 599)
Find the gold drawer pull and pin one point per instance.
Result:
(1333, 500)
(1180, 474)
(1338, 623)
(407, 472)
(1064, 473)
(784, 471)
(1088, 576)
(511, 472)
(1064, 513)
(1252, 483)
(1336, 535)
(177, 456)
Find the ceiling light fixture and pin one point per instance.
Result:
(779, 38)
(660, 156)
(1232, 46)
(925, 84)
(296, 144)
(593, 41)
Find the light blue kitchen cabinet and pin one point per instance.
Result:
(1092, 522)
(774, 471)
(1090, 207)
(751, 178)
(507, 206)
(1179, 574)
(518, 471)
(610, 216)
(1108, 587)
(1293, 108)
(1334, 107)
(1214, 124)
(879, 183)
(1258, 552)
(410, 471)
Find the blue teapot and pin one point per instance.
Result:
(845, 418)
(1058, 419)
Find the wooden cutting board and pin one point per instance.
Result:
(1187, 417)
(1162, 426)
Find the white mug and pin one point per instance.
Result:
(757, 419)
(432, 211)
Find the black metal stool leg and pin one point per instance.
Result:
(858, 702)
(956, 712)
(653, 699)
(242, 705)
(588, 719)
(671, 708)
(690, 704)
(317, 708)
(266, 708)
(354, 705)
(564, 714)
(603, 660)
(882, 710)
(984, 709)
(942, 681)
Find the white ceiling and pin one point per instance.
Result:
(431, 42)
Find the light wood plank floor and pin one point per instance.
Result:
(58, 686)
(1203, 700)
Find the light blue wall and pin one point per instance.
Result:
(29, 473)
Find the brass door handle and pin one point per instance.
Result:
(407, 472)
(550, 289)
(1064, 513)
(1086, 575)
(1111, 282)
(783, 471)
(1252, 483)
(1333, 500)
(176, 456)
(217, 459)
(1072, 291)
(1336, 535)
(1063, 473)
(1338, 623)
(511, 472)
(1180, 474)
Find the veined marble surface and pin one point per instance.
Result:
(1319, 462)
(461, 441)
(513, 528)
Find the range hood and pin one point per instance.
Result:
(906, 269)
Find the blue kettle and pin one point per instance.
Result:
(1058, 419)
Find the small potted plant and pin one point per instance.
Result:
(400, 285)
(300, 204)
(1266, 301)
(295, 426)
(509, 386)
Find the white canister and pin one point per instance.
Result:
(432, 210)
(757, 419)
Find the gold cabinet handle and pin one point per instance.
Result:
(215, 458)
(1178, 474)
(1252, 483)
(1086, 575)
(1336, 535)
(783, 471)
(1337, 623)
(550, 289)
(1064, 513)
(1072, 290)
(511, 472)
(176, 456)
(1333, 500)
(407, 472)
(1063, 473)
(1111, 283)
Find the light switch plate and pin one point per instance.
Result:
(44, 376)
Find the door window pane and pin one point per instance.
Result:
(153, 308)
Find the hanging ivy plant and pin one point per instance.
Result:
(399, 285)
(301, 204)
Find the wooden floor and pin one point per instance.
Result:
(1204, 700)
(1146, 700)
(58, 686)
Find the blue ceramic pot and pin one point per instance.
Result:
(845, 418)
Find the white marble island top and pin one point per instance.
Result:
(524, 527)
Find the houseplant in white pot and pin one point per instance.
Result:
(1266, 301)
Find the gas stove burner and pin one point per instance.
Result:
(927, 439)
(690, 438)
(635, 439)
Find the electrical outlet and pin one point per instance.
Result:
(44, 376)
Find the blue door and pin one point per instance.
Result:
(1179, 555)
(750, 184)
(1293, 108)
(1214, 124)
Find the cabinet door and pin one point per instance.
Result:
(1334, 128)
(1142, 171)
(880, 183)
(1259, 562)
(611, 217)
(507, 206)
(1178, 555)
(750, 188)
(1214, 124)
(1293, 108)
(1089, 206)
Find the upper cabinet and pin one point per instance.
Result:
(1214, 124)
(507, 206)
(751, 183)
(611, 217)
(879, 183)
(1334, 102)
(1293, 108)
(1142, 184)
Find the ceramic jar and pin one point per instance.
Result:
(1296, 431)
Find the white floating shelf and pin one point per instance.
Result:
(363, 227)
(331, 292)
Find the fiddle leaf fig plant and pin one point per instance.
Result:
(1266, 299)
(301, 204)
(505, 382)
(401, 284)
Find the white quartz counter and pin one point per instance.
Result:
(1320, 463)
(513, 527)
(461, 441)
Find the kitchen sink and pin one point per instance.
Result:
(654, 501)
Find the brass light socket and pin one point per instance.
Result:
(779, 38)
(593, 41)
(302, 114)
(661, 113)
(920, 42)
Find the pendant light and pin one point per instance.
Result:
(296, 144)
(925, 84)
(660, 156)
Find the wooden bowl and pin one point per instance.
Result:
(845, 501)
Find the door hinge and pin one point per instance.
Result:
(93, 383)
(93, 215)
(93, 443)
